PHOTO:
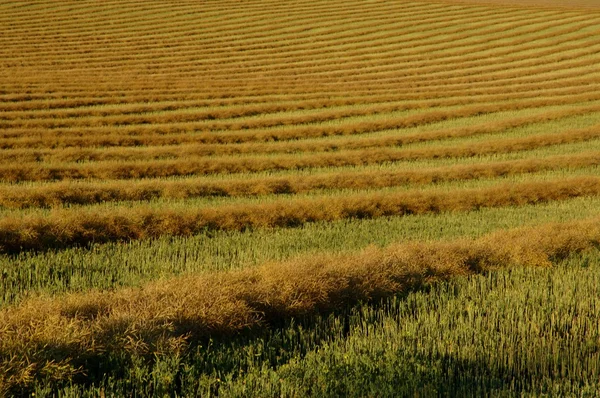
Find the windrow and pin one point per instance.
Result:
(169, 134)
(341, 142)
(64, 228)
(82, 193)
(66, 336)
(209, 165)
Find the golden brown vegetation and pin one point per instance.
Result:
(59, 338)
(206, 166)
(172, 134)
(196, 149)
(56, 195)
(577, 4)
(120, 95)
(63, 228)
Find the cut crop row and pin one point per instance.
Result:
(60, 194)
(64, 228)
(70, 335)
(270, 115)
(354, 142)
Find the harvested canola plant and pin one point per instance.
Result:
(299, 198)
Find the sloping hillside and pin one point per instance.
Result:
(180, 175)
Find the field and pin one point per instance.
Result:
(300, 198)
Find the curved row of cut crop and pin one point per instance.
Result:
(148, 136)
(216, 39)
(129, 26)
(293, 36)
(214, 165)
(313, 67)
(256, 30)
(579, 5)
(73, 103)
(404, 74)
(60, 194)
(576, 69)
(312, 71)
(64, 228)
(573, 29)
(223, 92)
(234, 118)
(222, 109)
(85, 327)
(280, 147)
(308, 50)
(130, 50)
(228, 109)
(394, 56)
(475, 60)
(534, 68)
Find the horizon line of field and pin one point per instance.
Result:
(66, 228)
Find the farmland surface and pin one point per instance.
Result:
(299, 198)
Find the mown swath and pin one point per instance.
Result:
(147, 123)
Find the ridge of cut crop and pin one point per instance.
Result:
(351, 141)
(64, 228)
(81, 193)
(71, 100)
(57, 339)
(208, 166)
(9, 124)
(173, 133)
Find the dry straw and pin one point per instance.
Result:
(69, 192)
(63, 228)
(55, 339)
(194, 165)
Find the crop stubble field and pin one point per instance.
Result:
(300, 198)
